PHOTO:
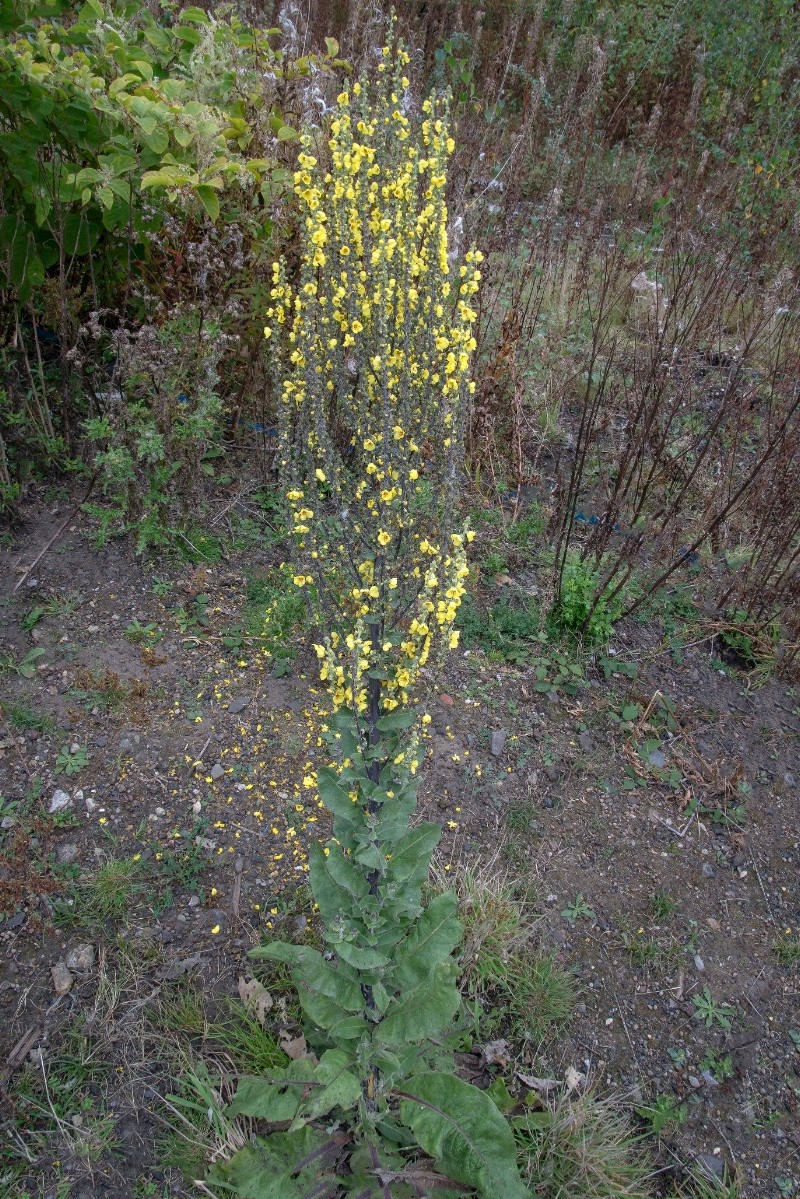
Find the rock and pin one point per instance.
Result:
(8, 822)
(586, 741)
(197, 807)
(62, 979)
(238, 704)
(159, 811)
(499, 738)
(67, 852)
(80, 958)
(217, 772)
(711, 1165)
(657, 758)
(194, 901)
(91, 804)
(75, 747)
(59, 802)
(708, 870)
(699, 964)
(547, 802)
(93, 628)
(101, 742)
(552, 773)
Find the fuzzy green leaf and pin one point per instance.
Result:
(431, 941)
(462, 1129)
(412, 855)
(316, 974)
(423, 1012)
(271, 1167)
(396, 721)
(359, 957)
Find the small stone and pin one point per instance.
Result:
(711, 1165)
(8, 822)
(126, 745)
(217, 772)
(694, 1081)
(159, 811)
(586, 741)
(67, 852)
(91, 804)
(80, 958)
(499, 738)
(657, 758)
(75, 747)
(59, 802)
(194, 901)
(699, 964)
(101, 742)
(708, 870)
(552, 773)
(547, 802)
(789, 779)
(93, 628)
(238, 704)
(197, 807)
(62, 979)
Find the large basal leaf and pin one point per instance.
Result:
(461, 1128)
(275, 1167)
(422, 1013)
(340, 1087)
(314, 972)
(431, 941)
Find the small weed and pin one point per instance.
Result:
(578, 909)
(71, 759)
(710, 1012)
(582, 606)
(142, 634)
(786, 949)
(698, 1185)
(718, 1065)
(32, 618)
(251, 1047)
(663, 1114)
(64, 604)
(662, 906)
(25, 667)
(193, 616)
(161, 587)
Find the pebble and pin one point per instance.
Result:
(197, 807)
(657, 758)
(238, 704)
(699, 964)
(80, 958)
(552, 773)
(91, 804)
(8, 822)
(708, 870)
(499, 738)
(59, 802)
(62, 979)
(217, 772)
(711, 1165)
(547, 802)
(586, 741)
(159, 811)
(67, 852)
(194, 901)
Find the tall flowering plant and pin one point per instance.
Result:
(373, 333)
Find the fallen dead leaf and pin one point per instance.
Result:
(295, 1047)
(255, 997)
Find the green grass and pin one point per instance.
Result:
(582, 1147)
(25, 718)
(518, 987)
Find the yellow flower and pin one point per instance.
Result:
(319, 475)
(383, 537)
(215, 930)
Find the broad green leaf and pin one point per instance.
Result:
(315, 972)
(332, 46)
(331, 899)
(209, 199)
(400, 718)
(421, 1013)
(344, 873)
(271, 1167)
(341, 1089)
(265, 1100)
(431, 940)
(462, 1129)
(412, 855)
(359, 957)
